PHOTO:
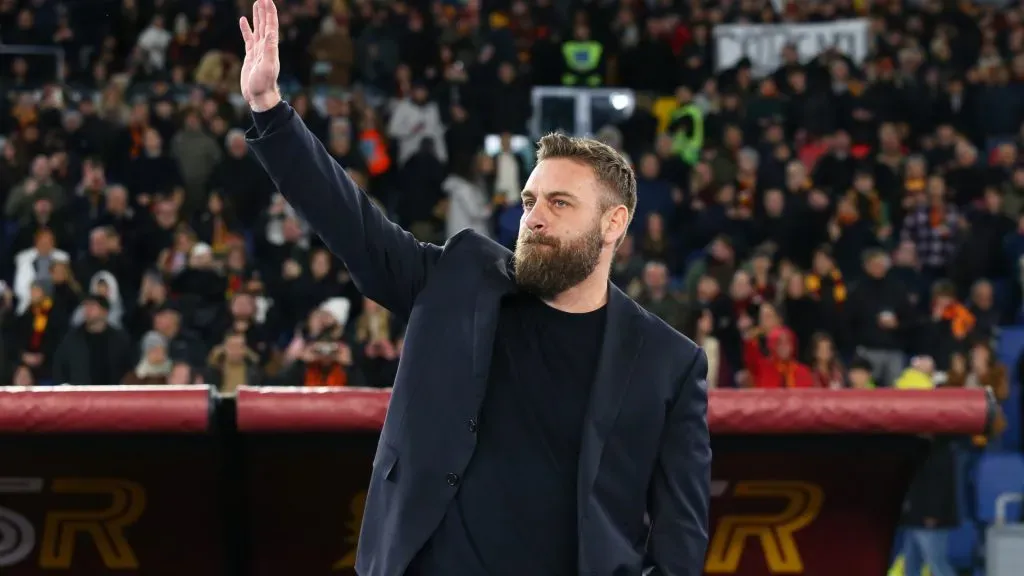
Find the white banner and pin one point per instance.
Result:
(762, 43)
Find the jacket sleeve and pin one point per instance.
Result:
(387, 264)
(680, 491)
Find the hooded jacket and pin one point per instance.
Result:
(770, 371)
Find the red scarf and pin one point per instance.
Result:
(333, 376)
(961, 321)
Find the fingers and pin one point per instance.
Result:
(247, 36)
(270, 19)
(257, 19)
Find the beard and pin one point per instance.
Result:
(547, 266)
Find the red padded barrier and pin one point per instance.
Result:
(311, 409)
(945, 411)
(815, 411)
(105, 409)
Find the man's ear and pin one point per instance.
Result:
(616, 221)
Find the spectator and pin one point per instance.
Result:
(153, 43)
(627, 268)
(657, 298)
(232, 364)
(826, 367)
(319, 355)
(929, 512)
(416, 119)
(981, 369)
(701, 326)
(197, 154)
(33, 265)
(859, 375)
(932, 227)
(155, 365)
(947, 331)
(183, 344)
(95, 352)
(468, 205)
(37, 186)
(103, 284)
(880, 318)
(775, 195)
(920, 374)
(376, 335)
(333, 54)
(37, 331)
(780, 367)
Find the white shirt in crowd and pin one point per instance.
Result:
(411, 124)
(468, 207)
(153, 43)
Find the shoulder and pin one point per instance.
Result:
(26, 255)
(469, 246)
(677, 362)
(454, 184)
(665, 340)
(653, 326)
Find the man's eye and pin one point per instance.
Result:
(561, 203)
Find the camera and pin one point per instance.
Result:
(325, 348)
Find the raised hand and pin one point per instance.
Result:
(262, 64)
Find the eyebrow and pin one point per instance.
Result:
(555, 194)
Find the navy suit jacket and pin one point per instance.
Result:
(644, 469)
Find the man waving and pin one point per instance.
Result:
(541, 422)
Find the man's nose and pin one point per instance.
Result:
(536, 219)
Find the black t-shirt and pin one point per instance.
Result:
(100, 370)
(515, 512)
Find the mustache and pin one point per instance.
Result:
(541, 239)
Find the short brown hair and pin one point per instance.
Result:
(611, 168)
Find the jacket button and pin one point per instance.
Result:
(453, 479)
(472, 425)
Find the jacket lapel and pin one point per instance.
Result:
(619, 349)
(494, 285)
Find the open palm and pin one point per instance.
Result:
(262, 63)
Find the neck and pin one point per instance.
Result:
(587, 296)
(95, 327)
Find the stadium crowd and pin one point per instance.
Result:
(841, 221)
(834, 223)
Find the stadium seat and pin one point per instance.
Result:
(1011, 344)
(995, 475)
(1011, 438)
(963, 542)
(508, 225)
